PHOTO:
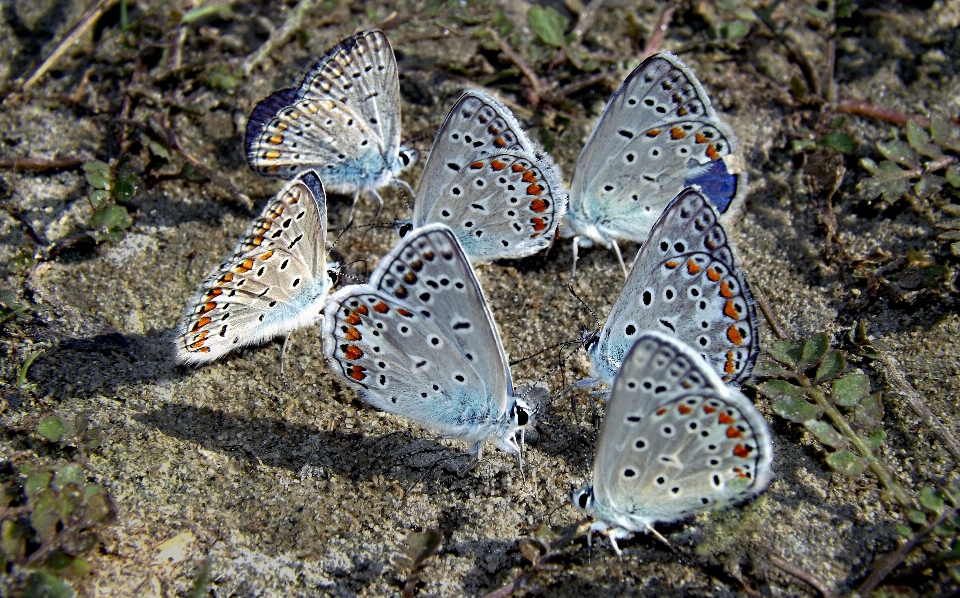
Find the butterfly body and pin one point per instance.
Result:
(419, 341)
(657, 135)
(275, 281)
(675, 441)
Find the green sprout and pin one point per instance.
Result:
(112, 187)
(420, 547)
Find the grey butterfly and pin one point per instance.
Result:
(657, 135)
(499, 193)
(342, 119)
(419, 341)
(275, 281)
(685, 282)
(674, 442)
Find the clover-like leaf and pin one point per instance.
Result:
(875, 438)
(788, 401)
(931, 500)
(766, 368)
(846, 462)
(786, 351)
(888, 180)
(952, 175)
(838, 141)
(830, 367)
(37, 482)
(111, 218)
(71, 473)
(945, 132)
(869, 412)
(13, 540)
(929, 184)
(51, 428)
(548, 25)
(420, 546)
(900, 152)
(848, 391)
(814, 348)
(826, 433)
(46, 514)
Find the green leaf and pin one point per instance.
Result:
(37, 483)
(41, 584)
(900, 152)
(111, 218)
(869, 413)
(814, 348)
(769, 369)
(904, 530)
(46, 515)
(931, 500)
(916, 516)
(545, 534)
(51, 428)
(420, 546)
(190, 173)
(101, 168)
(99, 198)
(953, 175)
(501, 23)
(832, 365)
(548, 25)
(929, 184)
(945, 132)
(818, 14)
(875, 438)
(125, 187)
(12, 540)
(848, 391)
(838, 141)
(71, 473)
(803, 145)
(845, 8)
(212, 10)
(888, 180)
(920, 140)
(825, 433)
(847, 463)
(786, 352)
(735, 30)
(222, 77)
(796, 410)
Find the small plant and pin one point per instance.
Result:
(545, 545)
(51, 515)
(112, 187)
(920, 165)
(420, 547)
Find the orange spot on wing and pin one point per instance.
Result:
(409, 278)
(653, 132)
(246, 266)
(209, 306)
(708, 409)
(677, 133)
(734, 335)
(700, 138)
(741, 451)
(276, 139)
(357, 373)
(661, 411)
(497, 165)
(712, 152)
(201, 323)
(381, 307)
(730, 366)
(500, 142)
(401, 291)
(725, 291)
(734, 433)
(692, 267)
(404, 312)
(533, 190)
(271, 154)
(671, 264)
(517, 168)
(352, 334)
(539, 224)
(538, 205)
(477, 165)
(682, 111)
(684, 410)
(529, 177)
(725, 419)
(266, 255)
(214, 293)
(713, 275)
(352, 352)
(730, 310)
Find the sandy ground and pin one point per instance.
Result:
(289, 485)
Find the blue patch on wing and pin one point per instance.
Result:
(267, 109)
(715, 182)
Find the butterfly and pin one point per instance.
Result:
(675, 441)
(419, 341)
(498, 192)
(343, 120)
(275, 281)
(657, 135)
(685, 282)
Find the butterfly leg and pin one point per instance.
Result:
(576, 246)
(283, 351)
(616, 249)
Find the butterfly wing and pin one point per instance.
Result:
(503, 206)
(657, 134)
(675, 440)
(478, 125)
(685, 282)
(274, 282)
(419, 339)
(361, 73)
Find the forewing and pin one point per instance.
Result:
(503, 206)
(275, 280)
(478, 125)
(685, 282)
(674, 440)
